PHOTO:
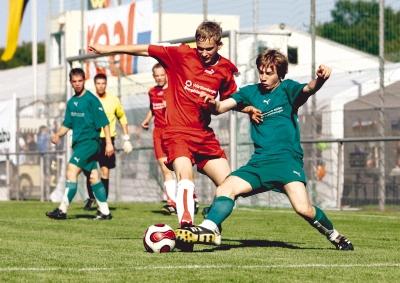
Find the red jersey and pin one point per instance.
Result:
(158, 106)
(188, 78)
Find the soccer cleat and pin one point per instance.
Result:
(342, 243)
(101, 216)
(198, 235)
(169, 209)
(56, 214)
(89, 204)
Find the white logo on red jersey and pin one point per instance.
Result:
(210, 72)
(198, 89)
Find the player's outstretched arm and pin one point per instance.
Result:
(134, 49)
(219, 106)
(323, 73)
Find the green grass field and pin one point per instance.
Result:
(259, 245)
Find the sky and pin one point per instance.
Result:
(291, 12)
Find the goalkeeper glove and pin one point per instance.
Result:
(127, 146)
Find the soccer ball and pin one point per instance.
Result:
(159, 238)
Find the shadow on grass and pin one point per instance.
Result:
(229, 244)
(162, 212)
(82, 216)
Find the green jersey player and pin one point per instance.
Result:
(85, 116)
(277, 162)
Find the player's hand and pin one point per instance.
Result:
(254, 113)
(323, 72)
(55, 139)
(145, 125)
(109, 149)
(127, 147)
(207, 98)
(98, 49)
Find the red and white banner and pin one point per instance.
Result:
(127, 24)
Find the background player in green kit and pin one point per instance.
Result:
(277, 162)
(85, 117)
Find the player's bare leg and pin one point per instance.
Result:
(169, 186)
(299, 198)
(70, 192)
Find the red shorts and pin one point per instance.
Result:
(159, 152)
(199, 145)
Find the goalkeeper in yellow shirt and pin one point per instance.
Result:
(114, 111)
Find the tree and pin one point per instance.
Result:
(23, 56)
(356, 23)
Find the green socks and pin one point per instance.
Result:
(220, 209)
(321, 222)
(70, 192)
(101, 197)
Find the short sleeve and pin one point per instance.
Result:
(120, 112)
(100, 117)
(163, 54)
(228, 87)
(67, 118)
(293, 89)
(242, 96)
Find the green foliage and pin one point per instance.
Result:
(356, 24)
(258, 245)
(23, 56)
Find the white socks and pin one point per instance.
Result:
(210, 225)
(170, 189)
(185, 202)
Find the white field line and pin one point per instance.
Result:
(335, 211)
(199, 267)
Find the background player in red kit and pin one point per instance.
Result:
(157, 110)
(188, 139)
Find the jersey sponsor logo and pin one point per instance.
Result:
(76, 104)
(272, 112)
(77, 159)
(198, 89)
(157, 106)
(297, 173)
(266, 101)
(210, 72)
(77, 114)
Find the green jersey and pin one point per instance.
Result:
(279, 134)
(85, 116)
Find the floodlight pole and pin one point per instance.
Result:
(382, 104)
(205, 10)
(233, 114)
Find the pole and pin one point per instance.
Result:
(382, 104)
(205, 10)
(255, 45)
(160, 8)
(82, 50)
(233, 114)
(34, 52)
(313, 102)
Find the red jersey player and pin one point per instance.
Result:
(157, 110)
(188, 139)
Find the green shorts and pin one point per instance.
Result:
(84, 154)
(272, 174)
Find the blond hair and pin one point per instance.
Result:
(209, 30)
